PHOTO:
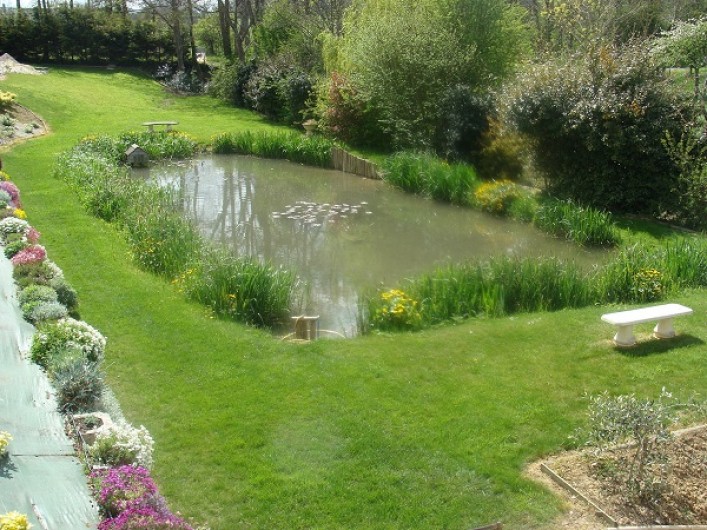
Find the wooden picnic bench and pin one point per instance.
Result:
(167, 124)
(662, 314)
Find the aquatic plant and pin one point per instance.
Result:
(582, 225)
(394, 309)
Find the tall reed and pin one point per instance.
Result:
(295, 147)
(583, 225)
(425, 174)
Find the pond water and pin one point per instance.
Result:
(340, 233)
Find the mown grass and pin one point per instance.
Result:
(423, 430)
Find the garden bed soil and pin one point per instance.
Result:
(684, 503)
(26, 125)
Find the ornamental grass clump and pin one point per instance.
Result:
(123, 444)
(14, 521)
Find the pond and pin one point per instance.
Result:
(342, 234)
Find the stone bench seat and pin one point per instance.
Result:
(167, 125)
(662, 314)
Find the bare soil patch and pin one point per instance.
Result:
(684, 502)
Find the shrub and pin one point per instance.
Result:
(37, 293)
(54, 338)
(464, 120)
(123, 487)
(690, 155)
(12, 190)
(34, 273)
(123, 444)
(12, 248)
(229, 82)
(30, 255)
(585, 226)
(38, 312)
(645, 423)
(12, 225)
(5, 199)
(344, 113)
(14, 521)
(66, 294)
(595, 123)
(4, 176)
(6, 100)
(502, 154)
(79, 384)
(497, 196)
(263, 91)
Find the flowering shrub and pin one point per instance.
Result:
(14, 521)
(124, 487)
(496, 196)
(13, 225)
(396, 310)
(19, 213)
(123, 444)
(4, 176)
(38, 312)
(32, 235)
(648, 285)
(5, 439)
(12, 190)
(145, 518)
(31, 254)
(13, 247)
(5, 198)
(67, 333)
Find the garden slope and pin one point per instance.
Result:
(427, 430)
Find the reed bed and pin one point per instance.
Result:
(289, 145)
(163, 241)
(504, 286)
(427, 175)
(583, 225)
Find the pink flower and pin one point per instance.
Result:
(12, 190)
(29, 255)
(32, 235)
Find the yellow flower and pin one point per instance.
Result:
(19, 213)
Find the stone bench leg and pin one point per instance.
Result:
(664, 329)
(168, 128)
(150, 128)
(624, 336)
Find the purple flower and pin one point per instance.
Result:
(29, 255)
(124, 488)
(145, 518)
(12, 190)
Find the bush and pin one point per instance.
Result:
(12, 225)
(12, 248)
(394, 310)
(14, 521)
(6, 100)
(121, 488)
(122, 445)
(30, 255)
(13, 191)
(38, 312)
(496, 197)
(79, 384)
(690, 155)
(66, 294)
(5, 199)
(279, 91)
(345, 114)
(33, 273)
(36, 293)
(53, 339)
(464, 120)
(595, 123)
(230, 81)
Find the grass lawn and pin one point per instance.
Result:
(425, 430)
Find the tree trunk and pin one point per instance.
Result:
(18, 6)
(177, 35)
(192, 42)
(224, 18)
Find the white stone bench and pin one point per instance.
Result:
(151, 125)
(662, 314)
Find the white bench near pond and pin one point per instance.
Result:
(662, 314)
(167, 125)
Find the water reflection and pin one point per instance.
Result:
(340, 233)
